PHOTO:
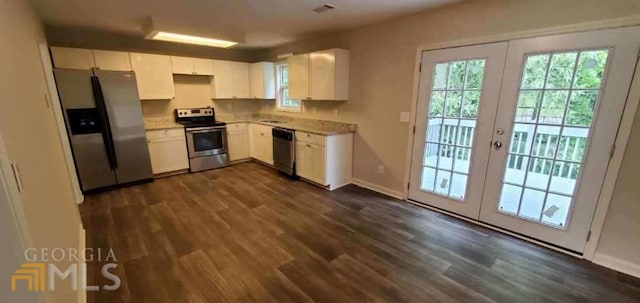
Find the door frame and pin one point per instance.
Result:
(622, 138)
(10, 194)
(53, 101)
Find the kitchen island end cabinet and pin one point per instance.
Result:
(324, 160)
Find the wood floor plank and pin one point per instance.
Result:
(246, 233)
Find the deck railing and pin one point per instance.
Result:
(456, 140)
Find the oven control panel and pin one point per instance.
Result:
(195, 112)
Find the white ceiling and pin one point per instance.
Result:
(263, 23)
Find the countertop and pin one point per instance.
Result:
(324, 130)
(160, 123)
(318, 127)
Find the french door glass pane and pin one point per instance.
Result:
(552, 123)
(453, 110)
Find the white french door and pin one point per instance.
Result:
(550, 136)
(459, 90)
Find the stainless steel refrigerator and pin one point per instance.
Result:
(104, 121)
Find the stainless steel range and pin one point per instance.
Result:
(206, 138)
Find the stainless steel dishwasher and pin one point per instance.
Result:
(284, 150)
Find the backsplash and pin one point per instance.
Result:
(305, 123)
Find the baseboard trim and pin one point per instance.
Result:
(377, 188)
(232, 162)
(617, 264)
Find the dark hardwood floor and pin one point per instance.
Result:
(247, 234)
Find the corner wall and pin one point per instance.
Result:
(29, 131)
(619, 245)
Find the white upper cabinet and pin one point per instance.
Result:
(111, 60)
(72, 58)
(241, 82)
(231, 80)
(263, 84)
(329, 75)
(222, 84)
(192, 66)
(181, 65)
(154, 76)
(299, 77)
(203, 66)
(321, 75)
(79, 58)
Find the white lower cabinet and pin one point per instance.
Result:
(318, 160)
(311, 162)
(325, 160)
(261, 143)
(168, 150)
(238, 141)
(303, 156)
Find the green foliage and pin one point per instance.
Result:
(581, 107)
(462, 80)
(551, 108)
(535, 70)
(561, 70)
(553, 105)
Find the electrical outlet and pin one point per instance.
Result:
(380, 169)
(335, 112)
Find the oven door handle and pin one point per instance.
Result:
(204, 130)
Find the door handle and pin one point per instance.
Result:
(497, 145)
(107, 136)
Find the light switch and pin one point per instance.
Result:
(405, 116)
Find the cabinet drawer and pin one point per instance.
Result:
(165, 133)
(236, 126)
(311, 138)
(260, 129)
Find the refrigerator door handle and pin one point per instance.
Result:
(106, 133)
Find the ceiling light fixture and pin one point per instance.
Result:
(188, 39)
(285, 56)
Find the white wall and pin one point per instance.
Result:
(383, 58)
(621, 234)
(29, 131)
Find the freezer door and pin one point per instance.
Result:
(87, 143)
(120, 95)
(91, 162)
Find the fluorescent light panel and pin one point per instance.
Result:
(173, 37)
